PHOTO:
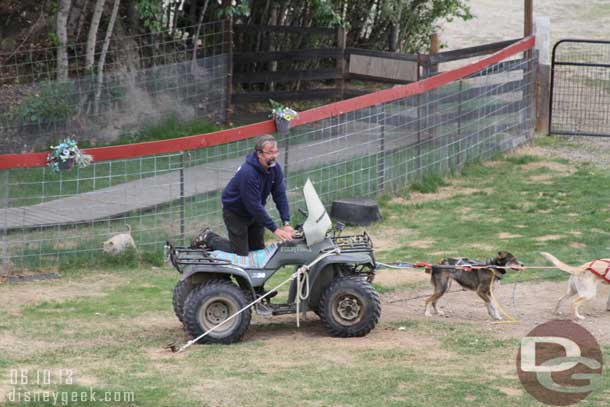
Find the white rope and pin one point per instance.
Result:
(304, 282)
(302, 270)
(399, 266)
(259, 299)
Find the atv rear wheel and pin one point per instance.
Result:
(181, 291)
(210, 304)
(350, 307)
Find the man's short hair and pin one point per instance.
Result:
(262, 140)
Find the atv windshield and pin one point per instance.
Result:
(318, 222)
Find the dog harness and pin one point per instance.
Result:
(596, 267)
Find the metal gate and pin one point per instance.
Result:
(580, 88)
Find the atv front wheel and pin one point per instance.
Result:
(210, 304)
(350, 307)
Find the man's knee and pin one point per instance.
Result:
(239, 249)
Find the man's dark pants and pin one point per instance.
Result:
(245, 234)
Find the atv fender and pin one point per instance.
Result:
(204, 273)
(318, 281)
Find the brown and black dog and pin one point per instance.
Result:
(477, 279)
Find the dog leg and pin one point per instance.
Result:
(431, 305)
(493, 311)
(569, 293)
(491, 308)
(580, 300)
(576, 305)
(608, 303)
(441, 285)
(428, 306)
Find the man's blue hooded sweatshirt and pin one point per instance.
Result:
(247, 192)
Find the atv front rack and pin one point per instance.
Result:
(353, 243)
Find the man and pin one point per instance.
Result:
(243, 203)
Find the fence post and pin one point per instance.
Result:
(182, 196)
(458, 155)
(228, 51)
(4, 196)
(423, 61)
(433, 98)
(543, 74)
(528, 17)
(286, 143)
(435, 47)
(381, 169)
(528, 14)
(341, 61)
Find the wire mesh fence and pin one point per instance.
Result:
(49, 219)
(145, 79)
(580, 89)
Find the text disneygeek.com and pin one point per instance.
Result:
(21, 379)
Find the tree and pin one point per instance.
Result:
(196, 36)
(92, 36)
(102, 60)
(62, 37)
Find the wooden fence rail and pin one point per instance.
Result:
(349, 64)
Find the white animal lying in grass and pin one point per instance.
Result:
(119, 243)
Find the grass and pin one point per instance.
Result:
(509, 210)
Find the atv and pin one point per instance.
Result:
(214, 285)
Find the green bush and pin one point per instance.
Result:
(54, 102)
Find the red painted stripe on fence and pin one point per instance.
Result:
(252, 130)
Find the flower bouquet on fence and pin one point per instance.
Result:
(282, 116)
(64, 155)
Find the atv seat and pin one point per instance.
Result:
(256, 259)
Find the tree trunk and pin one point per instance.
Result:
(81, 21)
(92, 37)
(102, 60)
(196, 38)
(132, 17)
(78, 9)
(192, 12)
(62, 36)
(273, 64)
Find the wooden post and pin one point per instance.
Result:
(341, 61)
(182, 201)
(431, 95)
(528, 20)
(435, 47)
(381, 165)
(543, 77)
(228, 51)
(528, 14)
(4, 200)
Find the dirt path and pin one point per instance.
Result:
(534, 305)
(497, 21)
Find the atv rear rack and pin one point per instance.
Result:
(180, 256)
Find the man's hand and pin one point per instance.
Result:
(288, 228)
(284, 234)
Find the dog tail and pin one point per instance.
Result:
(559, 264)
(129, 228)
